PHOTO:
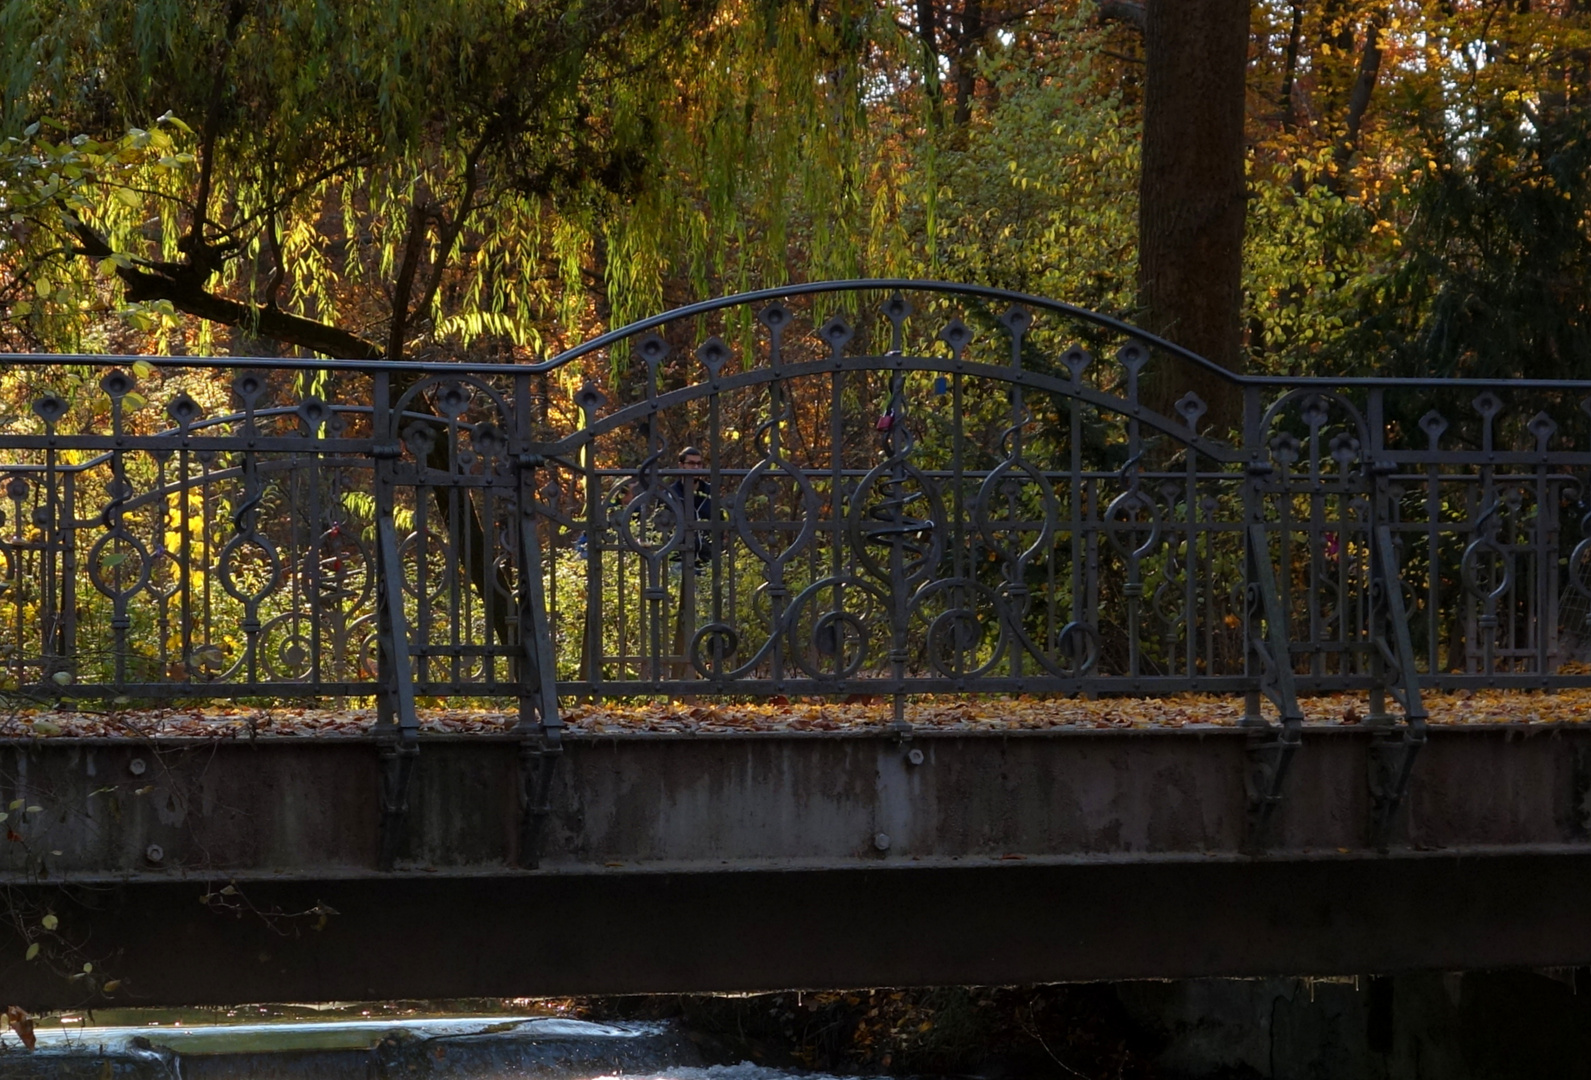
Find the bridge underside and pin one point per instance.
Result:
(560, 934)
(199, 872)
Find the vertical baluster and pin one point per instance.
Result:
(158, 551)
(425, 617)
(1213, 595)
(621, 596)
(1254, 517)
(1314, 544)
(717, 531)
(395, 696)
(1191, 408)
(589, 399)
(117, 386)
(1285, 524)
(837, 510)
(208, 525)
(1076, 361)
(1489, 584)
(1432, 424)
(898, 516)
(654, 594)
(1132, 358)
(313, 528)
(518, 456)
(1381, 517)
(244, 516)
(66, 530)
(16, 576)
(1546, 543)
(457, 562)
(1016, 321)
(49, 581)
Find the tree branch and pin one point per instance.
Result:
(1290, 68)
(404, 287)
(188, 296)
(928, 38)
(1124, 11)
(963, 62)
(195, 245)
(1364, 86)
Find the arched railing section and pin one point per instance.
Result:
(893, 488)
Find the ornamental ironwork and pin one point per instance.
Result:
(893, 488)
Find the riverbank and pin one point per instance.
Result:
(991, 1033)
(1494, 1026)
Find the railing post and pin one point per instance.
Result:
(1392, 664)
(1268, 657)
(540, 727)
(397, 723)
(589, 399)
(1256, 469)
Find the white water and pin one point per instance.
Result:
(744, 1071)
(466, 1048)
(332, 1035)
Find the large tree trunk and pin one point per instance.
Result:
(1190, 199)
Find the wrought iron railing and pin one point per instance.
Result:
(899, 488)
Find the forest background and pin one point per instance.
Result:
(1298, 186)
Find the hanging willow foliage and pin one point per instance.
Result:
(387, 177)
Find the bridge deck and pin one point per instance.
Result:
(212, 871)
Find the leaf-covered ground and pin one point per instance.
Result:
(943, 714)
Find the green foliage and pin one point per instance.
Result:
(496, 177)
(1498, 254)
(348, 155)
(1438, 223)
(54, 182)
(1044, 196)
(1305, 252)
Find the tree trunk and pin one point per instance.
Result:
(1191, 199)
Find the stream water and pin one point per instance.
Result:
(287, 1046)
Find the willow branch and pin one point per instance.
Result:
(451, 230)
(279, 268)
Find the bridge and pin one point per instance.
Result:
(885, 491)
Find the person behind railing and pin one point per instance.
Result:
(695, 497)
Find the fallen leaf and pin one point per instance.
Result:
(22, 1024)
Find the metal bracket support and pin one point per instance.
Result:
(538, 764)
(1393, 749)
(1270, 757)
(398, 724)
(397, 766)
(540, 724)
(1392, 753)
(1270, 753)
(1580, 792)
